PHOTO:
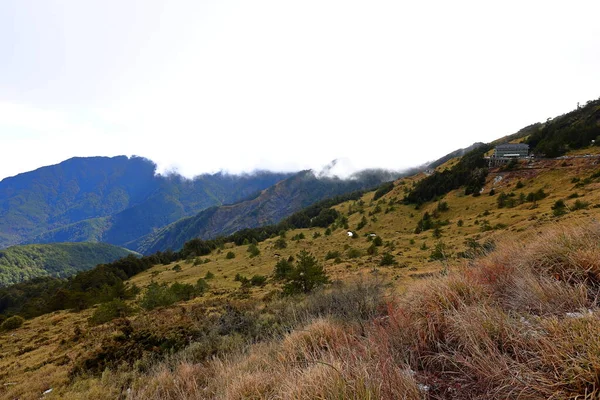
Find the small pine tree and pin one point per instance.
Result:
(282, 269)
(258, 280)
(253, 250)
(559, 208)
(363, 222)
(378, 241)
(108, 311)
(201, 286)
(280, 243)
(387, 259)
(372, 250)
(306, 276)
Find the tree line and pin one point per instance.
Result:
(106, 282)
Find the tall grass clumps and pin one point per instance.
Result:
(521, 322)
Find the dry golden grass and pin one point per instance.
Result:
(469, 335)
(37, 356)
(322, 361)
(496, 328)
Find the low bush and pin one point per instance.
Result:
(106, 312)
(11, 323)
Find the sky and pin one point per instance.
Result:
(202, 86)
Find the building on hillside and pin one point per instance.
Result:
(504, 153)
(512, 150)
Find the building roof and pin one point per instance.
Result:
(512, 146)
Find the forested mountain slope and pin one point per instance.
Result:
(271, 206)
(114, 200)
(20, 263)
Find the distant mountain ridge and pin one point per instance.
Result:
(271, 206)
(114, 200)
(122, 201)
(454, 154)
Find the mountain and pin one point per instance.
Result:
(454, 154)
(114, 200)
(447, 281)
(575, 130)
(20, 263)
(271, 206)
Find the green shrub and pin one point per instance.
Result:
(363, 222)
(442, 206)
(258, 280)
(163, 295)
(106, 312)
(439, 252)
(580, 205)
(372, 250)
(230, 255)
(282, 269)
(506, 200)
(280, 243)
(182, 291)
(253, 250)
(559, 208)
(12, 323)
(177, 268)
(201, 286)
(157, 295)
(536, 196)
(306, 275)
(332, 254)
(354, 253)
(299, 236)
(378, 241)
(387, 259)
(209, 275)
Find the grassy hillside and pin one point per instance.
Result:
(20, 263)
(467, 283)
(490, 284)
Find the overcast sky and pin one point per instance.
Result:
(238, 85)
